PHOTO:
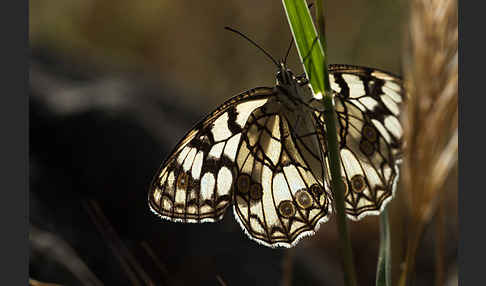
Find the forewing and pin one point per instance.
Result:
(279, 197)
(370, 135)
(194, 184)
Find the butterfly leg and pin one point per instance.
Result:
(307, 57)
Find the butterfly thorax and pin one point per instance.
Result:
(294, 95)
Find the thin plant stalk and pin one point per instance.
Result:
(337, 186)
(313, 57)
(383, 270)
(439, 244)
(330, 121)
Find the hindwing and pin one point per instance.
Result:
(279, 194)
(367, 104)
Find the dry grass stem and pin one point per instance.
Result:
(156, 260)
(221, 281)
(60, 251)
(431, 115)
(33, 282)
(439, 245)
(121, 252)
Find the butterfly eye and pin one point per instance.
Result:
(243, 183)
(303, 199)
(369, 132)
(358, 183)
(182, 181)
(256, 192)
(286, 209)
(366, 147)
(316, 190)
(346, 188)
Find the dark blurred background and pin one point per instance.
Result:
(113, 87)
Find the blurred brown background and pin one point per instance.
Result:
(114, 84)
(183, 43)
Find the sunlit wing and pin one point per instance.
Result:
(195, 183)
(370, 135)
(265, 151)
(279, 192)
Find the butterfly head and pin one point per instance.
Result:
(284, 76)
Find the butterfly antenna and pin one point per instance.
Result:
(288, 51)
(255, 44)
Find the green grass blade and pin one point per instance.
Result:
(308, 45)
(383, 270)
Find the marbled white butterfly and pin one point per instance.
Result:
(264, 152)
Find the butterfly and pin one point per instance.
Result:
(264, 153)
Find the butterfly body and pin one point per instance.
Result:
(264, 152)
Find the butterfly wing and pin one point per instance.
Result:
(279, 192)
(272, 164)
(194, 184)
(367, 104)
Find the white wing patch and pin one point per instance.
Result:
(355, 85)
(220, 128)
(232, 146)
(246, 109)
(392, 124)
(217, 150)
(225, 181)
(197, 165)
(207, 186)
